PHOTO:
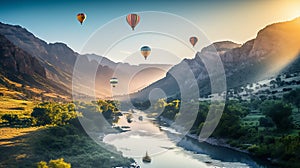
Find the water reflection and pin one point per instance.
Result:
(160, 143)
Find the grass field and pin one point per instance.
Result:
(13, 140)
(22, 108)
(15, 147)
(14, 106)
(10, 136)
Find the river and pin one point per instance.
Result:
(145, 135)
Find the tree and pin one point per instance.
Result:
(58, 163)
(229, 126)
(42, 164)
(293, 97)
(255, 103)
(279, 112)
(230, 123)
(160, 105)
(237, 108)
(42, 115)
(265, 122)
(10, 118)
(278, 80)
(53, 113)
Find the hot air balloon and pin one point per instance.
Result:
(145, 50)
(113, 81)
(193, 40)
(81, 17)
(133, 20)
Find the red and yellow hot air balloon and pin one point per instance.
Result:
(193, 40)
(81, 17)
(133, 20)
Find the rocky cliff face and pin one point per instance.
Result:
(279, 44)
(19, 67)
(57, 53)
(14, 60)
(275, 47)
(57, 59)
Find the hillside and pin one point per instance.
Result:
(275, 47)
(57, 61)
(22, 72)
(93, 72)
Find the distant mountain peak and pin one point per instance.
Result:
(274, 47)
(57, 62)
(15, 26)
(221, 46)
(226, 44)
(59, 44)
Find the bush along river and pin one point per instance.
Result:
(140, 135)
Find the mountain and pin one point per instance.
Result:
(21, 71)
(276, 46)
(59, 61)
(16, 61)
(293, 67)
(131, 78)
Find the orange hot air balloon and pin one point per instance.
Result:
(81, 17)
(133, 20)
(193, 40)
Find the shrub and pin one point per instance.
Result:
(58, 163)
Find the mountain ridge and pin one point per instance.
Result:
(59, 60)
(22, 72)
(275, 46)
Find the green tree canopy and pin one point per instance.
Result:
(293, 97)
(279, 112)
(58, 163)
(53, 113)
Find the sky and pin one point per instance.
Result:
(234, 20)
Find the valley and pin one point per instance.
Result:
(60, 107)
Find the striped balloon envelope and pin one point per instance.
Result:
(193, 40)
(133, 20)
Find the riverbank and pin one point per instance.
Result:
(218, 142)
(212, 141)
(221, 142)
(183, 150)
